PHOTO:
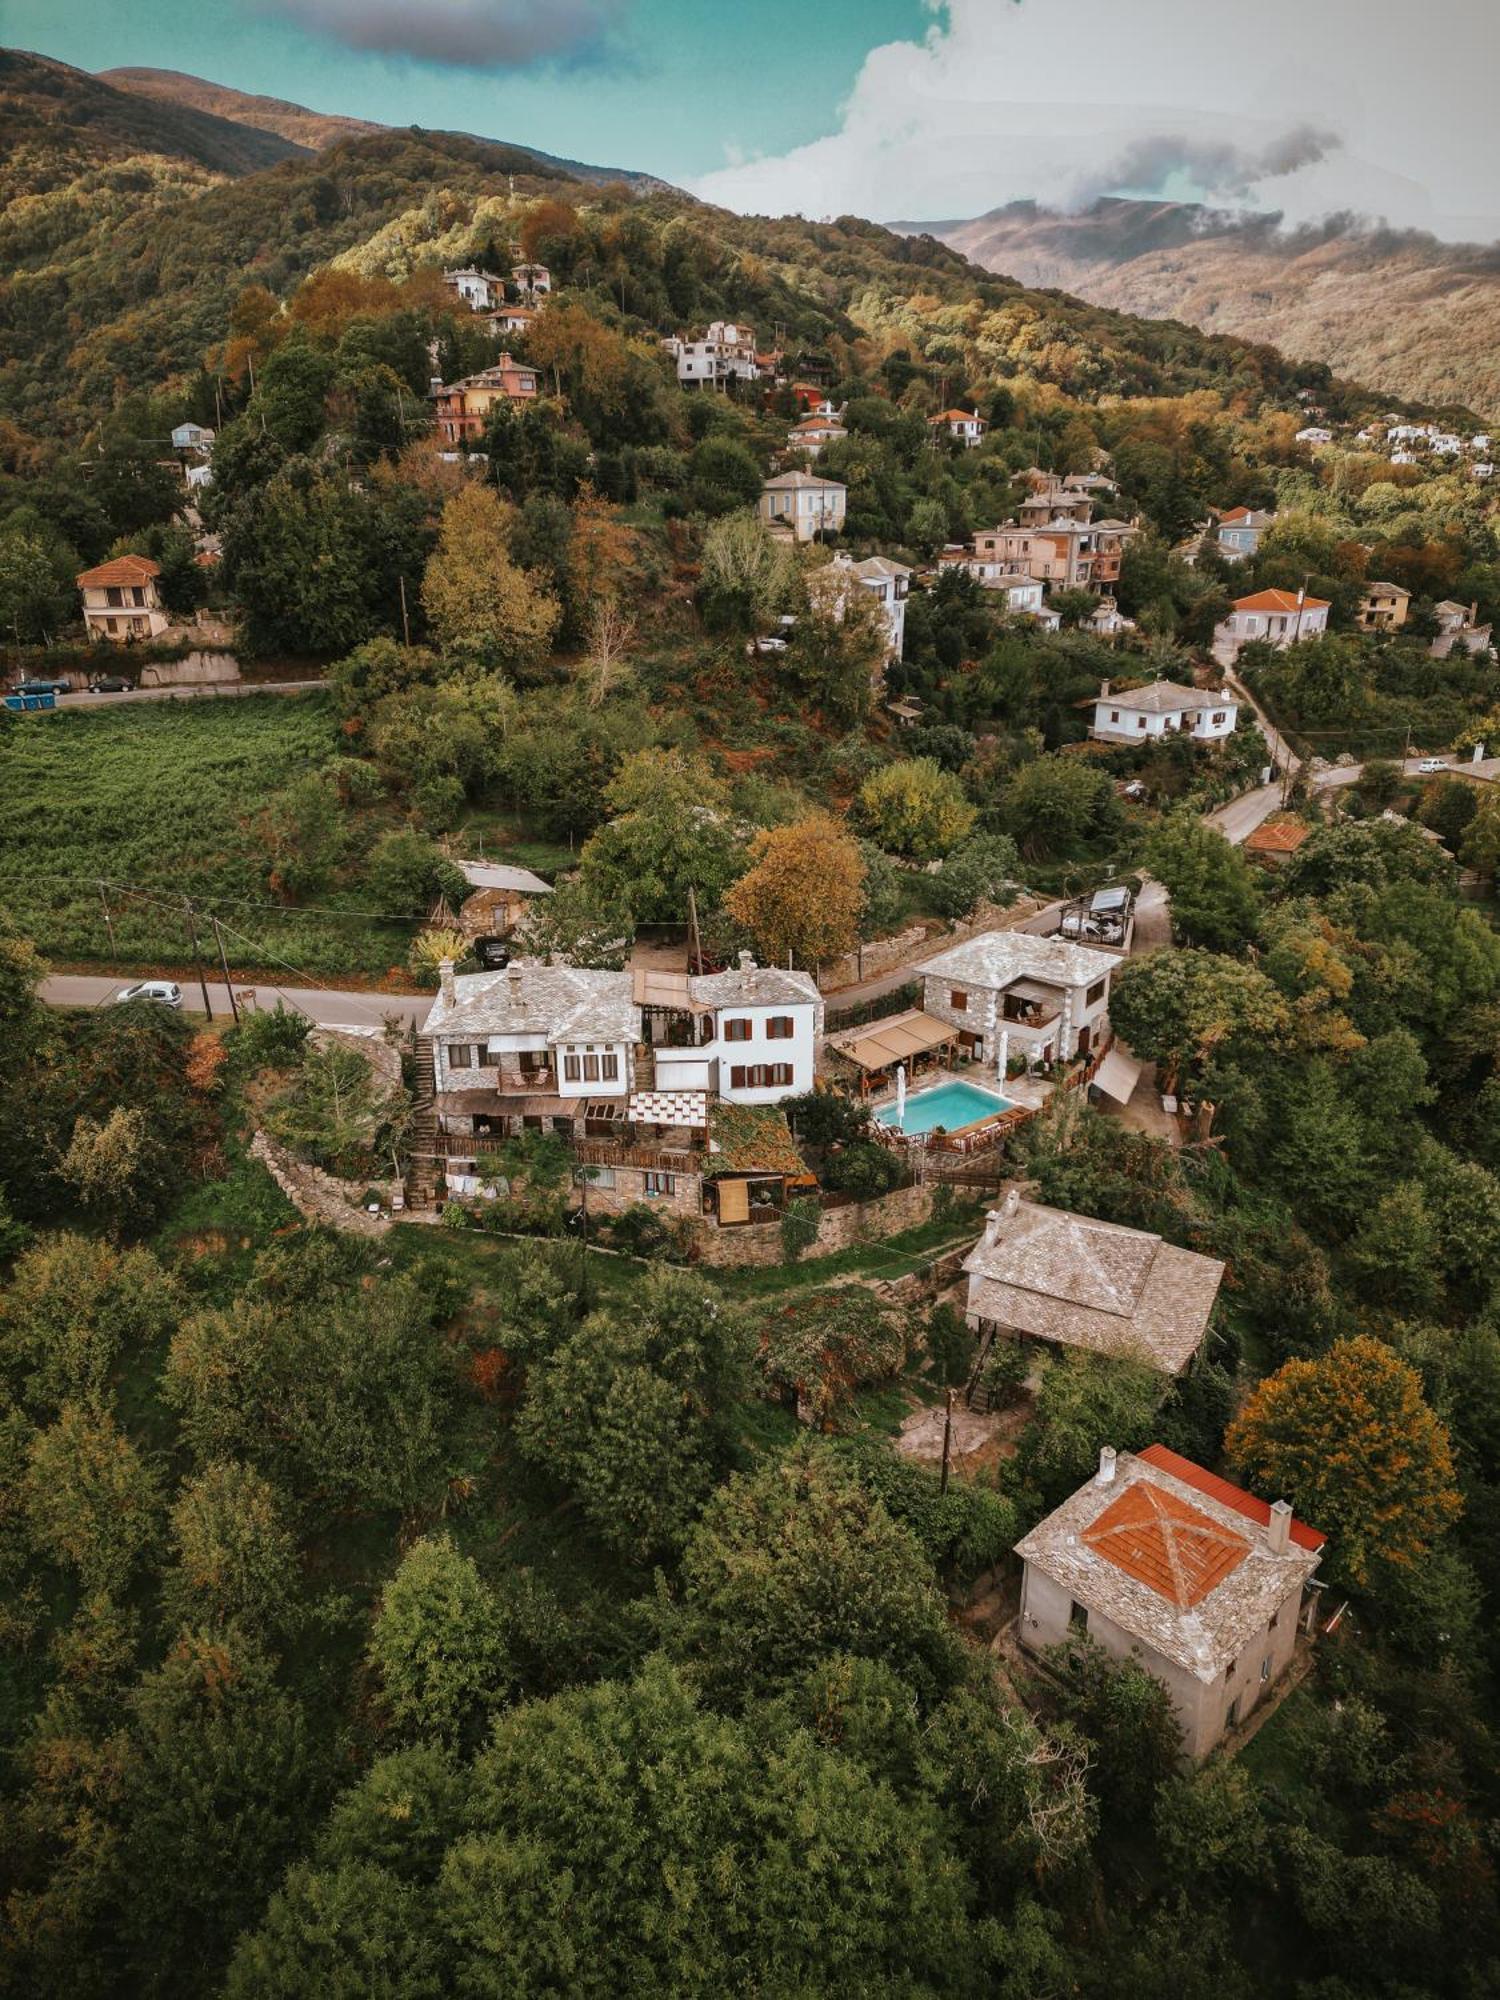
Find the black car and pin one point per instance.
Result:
(493, 953)
(38, 686)
(110, 684)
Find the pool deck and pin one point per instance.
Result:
(1021, 1093)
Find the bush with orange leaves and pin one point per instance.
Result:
(1350, 1441)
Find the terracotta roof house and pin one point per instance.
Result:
(1071, 1281)
(966, 426)
(1279, 616)
(1158, 1560)
(121, 600)
(1277, 838)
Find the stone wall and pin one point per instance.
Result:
(196, 669)
(874, 960)
(319, 1197)
(838, 1229)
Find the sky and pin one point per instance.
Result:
(893, 109)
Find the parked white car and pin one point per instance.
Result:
(1432, 764)
(167, 991)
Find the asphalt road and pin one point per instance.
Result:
(328, 1009)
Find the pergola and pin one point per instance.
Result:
(876, 1051)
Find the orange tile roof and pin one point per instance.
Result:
(1279, 600)
(956, 417)
(121, 569)
(1236, 513)
(1278, 836)
(1225, 1492)
(1165, 1544)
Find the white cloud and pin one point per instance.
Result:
(1305, 106)
(463, 34)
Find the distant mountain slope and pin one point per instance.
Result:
(57, 122)
(1397, 310)
(317, 129)
(310, 129)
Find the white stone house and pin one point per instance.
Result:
(479, 290)
(192, 437)
(122, 600)
(1458, 627)
(803, 504)
(1043, 1274)
(1280, 616)
(1159, 1561)
(533, 1041)
(535, 280)
(1042, 996)
(1162, 708)
(888, 583)
(967, 427)
(1314, 434)
(749, 1034)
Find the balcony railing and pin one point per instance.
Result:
(623, 1153)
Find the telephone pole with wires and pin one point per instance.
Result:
(192, 925)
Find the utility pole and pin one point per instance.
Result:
(947, 1439)
(234, 1005)
(695, 942)
(585, 1175)
(198, 957)
(109, 922)
(405, 621)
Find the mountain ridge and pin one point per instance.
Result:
(313, 131)
(1397, 309)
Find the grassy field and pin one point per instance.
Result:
(159, 802)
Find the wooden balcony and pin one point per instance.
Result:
(624, 1153)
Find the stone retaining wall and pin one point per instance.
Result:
(196, 669)
(838, 1229)
(319, 1197)
(884, 955)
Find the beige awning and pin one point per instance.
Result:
(1118, 1075)
(885, 1043)
(734, 1201)
(651, 987)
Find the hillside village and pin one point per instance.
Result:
(750, 1177)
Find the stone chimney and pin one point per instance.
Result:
(747, 961)
(1105, 1476)
(512, 988)
(1104, 690)
(1279, 1527)
(445, 979)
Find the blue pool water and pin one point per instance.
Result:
(947, 1104)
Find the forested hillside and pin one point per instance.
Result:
(121, 279)
(1392, 308)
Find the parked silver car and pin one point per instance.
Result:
(167, 991)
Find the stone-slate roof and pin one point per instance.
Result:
(563, 1002)
(1083, 1283)
(1171, 1564)
(995, 959)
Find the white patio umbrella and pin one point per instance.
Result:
(900, 1096)
(1003, 1062)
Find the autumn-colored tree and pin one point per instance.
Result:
(1349, 1440)
(91, 1499)
(328, 300)
(485, 610)
(804, 891)
(544, 226)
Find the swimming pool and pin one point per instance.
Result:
(950, 1105)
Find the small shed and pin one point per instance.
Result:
(752, 1165)
(501, 895)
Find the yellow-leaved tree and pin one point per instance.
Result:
(485, 610)
(803, 892)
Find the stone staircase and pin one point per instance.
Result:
(978, 1396)
(424, 1164)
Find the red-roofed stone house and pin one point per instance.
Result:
(121, 599)
(1160, 1561)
